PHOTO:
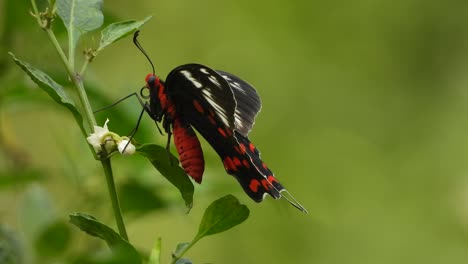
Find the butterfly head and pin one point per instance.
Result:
(152, 81)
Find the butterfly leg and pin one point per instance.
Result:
(167, 122)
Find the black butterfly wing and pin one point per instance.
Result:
(248, 103)
(206, 101)
(197, 88)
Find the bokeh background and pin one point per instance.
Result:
(364, 120)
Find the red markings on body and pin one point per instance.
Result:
(254, 184)
(148, 76)
(189, 149)
(221, 131)
(198, 106)
(252, 147)
(171, 110)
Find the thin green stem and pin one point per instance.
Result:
(83, 68)
(84, 101)
(106, 165)
(68, 63)
(182, 253)
(36, 11)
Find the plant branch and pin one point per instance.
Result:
(106, 165)
(45, 24)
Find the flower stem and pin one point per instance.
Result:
(106, 165)
(88, 115)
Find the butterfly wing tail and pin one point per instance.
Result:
(262, 180)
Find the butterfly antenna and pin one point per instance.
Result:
(138, 45)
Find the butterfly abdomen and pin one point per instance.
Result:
(189, 149)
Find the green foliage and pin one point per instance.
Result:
(53, 89)
(221, 215)
(165, 163)
(115, 242)
(51, 239)
(155, 256)
(79, 17)
(119, 30)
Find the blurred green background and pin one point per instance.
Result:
(364, 120)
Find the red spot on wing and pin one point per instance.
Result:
(198, 106)
(236, 161)
(252, 147)
(242, 148)
(264, 166)
(254, 184)
(272, 179)
(222, 132)
(229, 164)
(246, 163)
(212, 120)
(237, 149)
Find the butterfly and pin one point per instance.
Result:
(222, 108)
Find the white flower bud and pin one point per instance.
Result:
(126, 147)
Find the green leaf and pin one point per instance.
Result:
(80, 17)
(53, 240)
(158, 156)
(116, 31)
(155, 257)
(53, 89)
(221, 215)
(90, 225)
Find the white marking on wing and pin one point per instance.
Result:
(238, 121)
(227, 78)
(214, 80)
(205, 71)
(221, 113)
(194, 81)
